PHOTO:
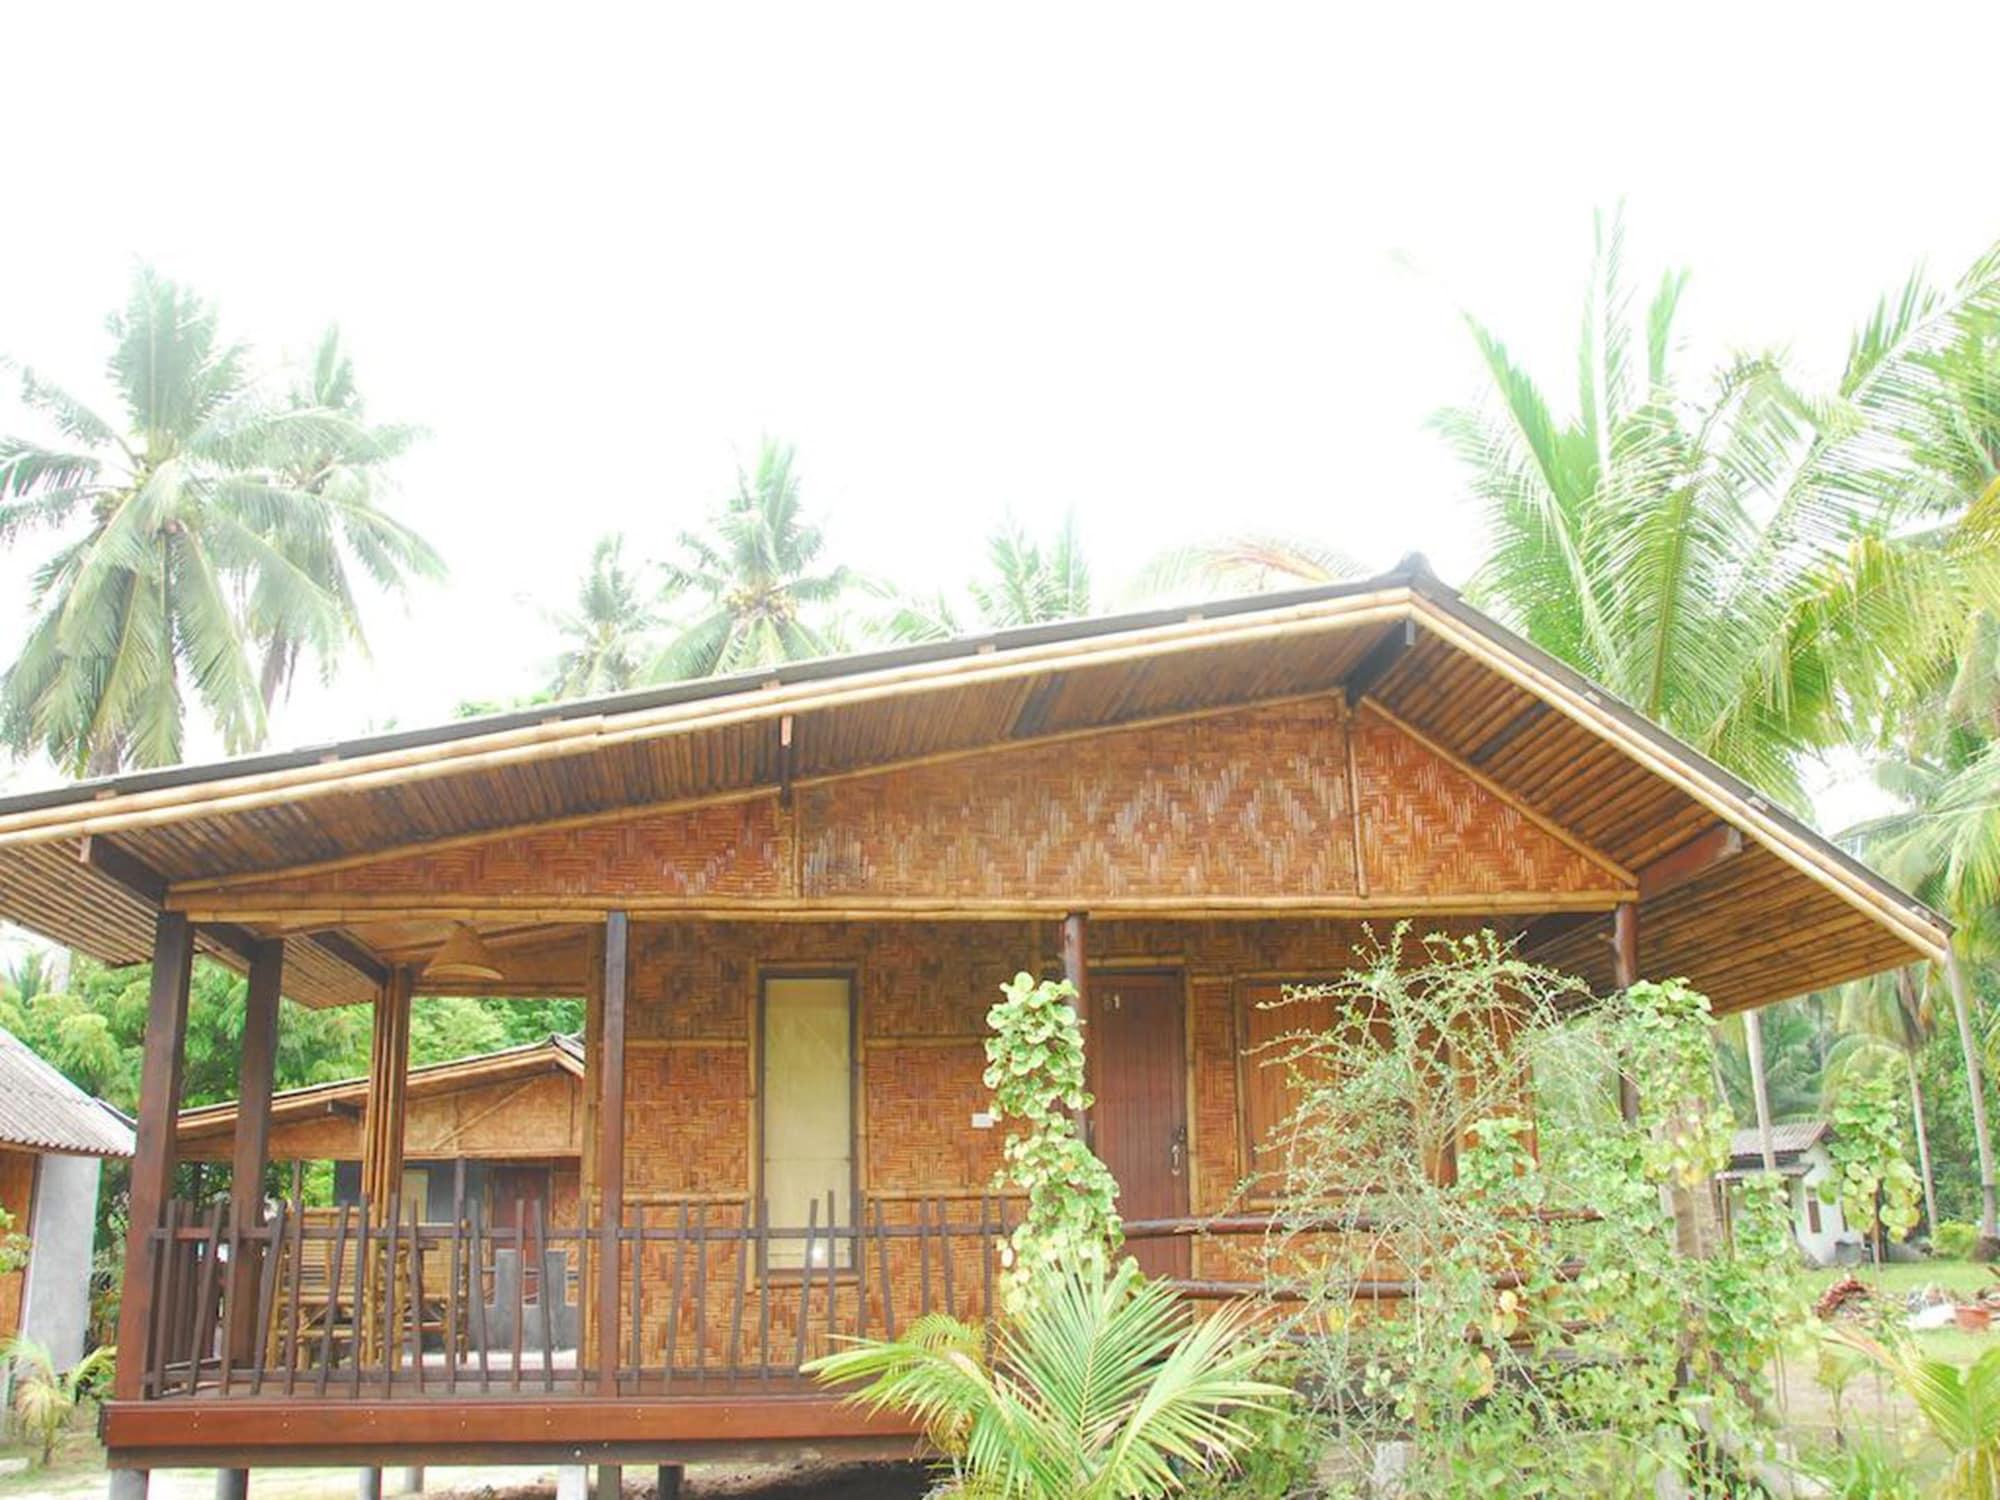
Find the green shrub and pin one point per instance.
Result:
(1862, 1471)
(1104, 1387)
(1954, 1238)
(1551, 1333)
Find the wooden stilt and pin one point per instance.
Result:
(153, 1161)
(254, 1080)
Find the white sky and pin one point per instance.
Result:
(1184, 271)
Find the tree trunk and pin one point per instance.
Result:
(1923, 1142)
(1975, 1079)
(1753, 1039)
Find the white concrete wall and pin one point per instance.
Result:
(55, 1303)
(1832, 1223)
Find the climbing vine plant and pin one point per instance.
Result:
(1877, 1188)
(1454, 1149)
(1035, 1068)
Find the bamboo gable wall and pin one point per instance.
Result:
(1302, 804)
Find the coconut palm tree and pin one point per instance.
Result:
(1025, 583)
(606, 633)
(1744, 564)
(335, 521)
(168, 521)
(751, 583)
(1105, 1387)
(1730, 556)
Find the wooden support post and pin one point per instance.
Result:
(153, 1161)
(1076, 969)
(255, 1074)
(1625, 974)
(592, 1206)
(611, 1148)
(382, 1152)
(610, 1481)
(669, 1481)
(388, 1085)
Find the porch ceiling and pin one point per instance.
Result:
(89, 865)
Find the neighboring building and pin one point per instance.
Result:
(1804, 1163)
(503, 1129)
(787, 899)
(53, 1141)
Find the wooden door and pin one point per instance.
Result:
(1137, 1044)
(519, 1198)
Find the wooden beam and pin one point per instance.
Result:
(123, 867)
(785, 728)
(256, 1073)
(1625, 974)
(491, 1423)
(611, 1149)
(1689, 861)
(1552, 927)
(153, 1160)
(1380, 660)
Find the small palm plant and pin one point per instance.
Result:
(1104, 1388)
(45, 1400)
(1960, 1404)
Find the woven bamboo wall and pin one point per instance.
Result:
(922, 992)
(507, 1119)
(1428, 827)
(1259, 805)
(1251, 804)
(17, 1196)
(730, 849)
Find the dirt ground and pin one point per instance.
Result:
(80, 1475)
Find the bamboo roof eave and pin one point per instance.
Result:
(1725, 795)
(111, 812)
(227, 827)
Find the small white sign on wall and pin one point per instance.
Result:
(982, 1120)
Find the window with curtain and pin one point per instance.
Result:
(807, 1091)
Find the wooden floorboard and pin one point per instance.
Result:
(498, 1429)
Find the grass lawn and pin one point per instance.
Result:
(1962, 1278)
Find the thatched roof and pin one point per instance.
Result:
(89, 865)
(41, 1110)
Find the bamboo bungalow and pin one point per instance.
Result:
(54, 1141)
(787, 899)
(503, 1130)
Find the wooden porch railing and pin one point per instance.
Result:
(346, 1303)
